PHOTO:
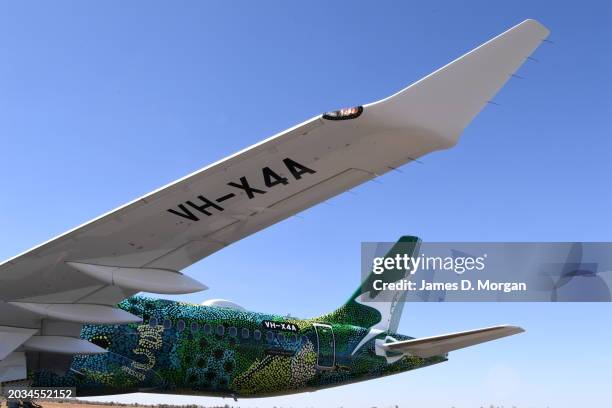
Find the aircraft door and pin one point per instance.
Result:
(326, 346)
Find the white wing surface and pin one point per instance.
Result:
(78, 277)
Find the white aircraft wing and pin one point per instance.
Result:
(438, 345)
(143, 245)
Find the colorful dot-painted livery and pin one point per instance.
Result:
(183, 348)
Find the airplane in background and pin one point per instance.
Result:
(69, 316)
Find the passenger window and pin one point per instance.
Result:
(194, 327)
(153, 322)
(220, 330)
(269, 336)
(180, 326)
(167, 324)
(257, 335)
(304, 339)
(293, 338)
(280, 337)
(207, 328)
(233, 331)
(245, 333)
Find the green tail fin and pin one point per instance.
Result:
(382, 315)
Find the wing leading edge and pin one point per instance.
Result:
(185, 221)
(101, 262)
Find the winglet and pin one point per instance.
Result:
(444, 102)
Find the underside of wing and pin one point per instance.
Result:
(185, 221)
(439, 345)
(79, 276)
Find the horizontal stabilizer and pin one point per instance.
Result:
(437, 345)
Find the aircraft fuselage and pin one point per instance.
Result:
(205, 350)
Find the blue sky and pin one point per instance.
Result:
(103, 102)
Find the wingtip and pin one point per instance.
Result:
(535, 25)
(513, 329)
